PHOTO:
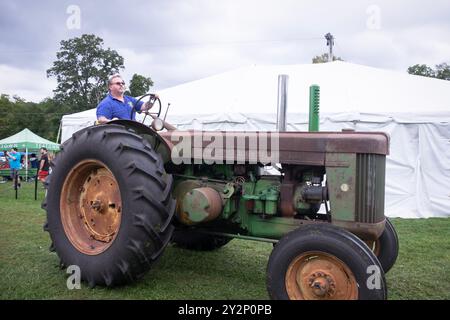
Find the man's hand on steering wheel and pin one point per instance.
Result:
(149, 104)
(153, 98)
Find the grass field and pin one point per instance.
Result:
(237, 271)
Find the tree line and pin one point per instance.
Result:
(81, 69)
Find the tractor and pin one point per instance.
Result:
(120, 192)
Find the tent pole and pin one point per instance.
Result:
(26, 164)
(59, 132)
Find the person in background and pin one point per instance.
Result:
(5, 157)
(4, 164)
(34, 164)
(43, 165)
(22, 161)
(14, 163)
(33, 161)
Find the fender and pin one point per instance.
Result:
(161, 145)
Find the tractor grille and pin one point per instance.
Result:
(370, 184)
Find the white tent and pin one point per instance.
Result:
(414, 110)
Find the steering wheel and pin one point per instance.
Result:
(152, 99)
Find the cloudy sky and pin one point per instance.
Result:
(176, 41)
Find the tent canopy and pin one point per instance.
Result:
(360, 92)
(26, 139)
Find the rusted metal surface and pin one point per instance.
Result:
(179, 192)
(201, 205)
(286, 203)
(196, 203)
(91, 207)
(287, 192)
(365, 231)
(304, 148)
(320, 276)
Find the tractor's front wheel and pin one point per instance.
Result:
(109, 205)
(386, 246)
(323, 262)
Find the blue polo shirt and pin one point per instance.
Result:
(110, 107)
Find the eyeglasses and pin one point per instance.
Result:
(119, 83)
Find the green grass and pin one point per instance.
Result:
(237, 271)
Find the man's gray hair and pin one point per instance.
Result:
(111, 77)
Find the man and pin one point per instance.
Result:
(116, 105)
(33, 161)
(43, 165)
(14, 163)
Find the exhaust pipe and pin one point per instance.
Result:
(282, 102)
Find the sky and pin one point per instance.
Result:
(177, 41)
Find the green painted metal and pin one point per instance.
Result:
(272, 227)
(341, 180)
(370, 187)
(189, 172)
(314, 104)
(252, 212)
(271, 202)
(299, 204)
(264, 196)
(239, 236)
(230, 204)
(195, 205)
(199, 178)
(251, 205)
(260, 221)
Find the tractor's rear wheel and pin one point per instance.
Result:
(323, 262)
(109, 205)
(192, 240)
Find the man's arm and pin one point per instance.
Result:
(102, 119)
(104, 113)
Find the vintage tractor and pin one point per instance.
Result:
(119, 193)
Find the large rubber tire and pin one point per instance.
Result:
(192, 240)
(386, 247)
(147, 205)
(309, 250)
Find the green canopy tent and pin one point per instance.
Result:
(28, 141)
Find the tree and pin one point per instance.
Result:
(42, 118)
(324, 58)
(6, 107)
(139, 85)
(422, 70)
(81, 70)
(442, 71)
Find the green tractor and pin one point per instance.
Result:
(119, 193)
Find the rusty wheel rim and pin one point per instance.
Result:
(320, 276)
(91, 207)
